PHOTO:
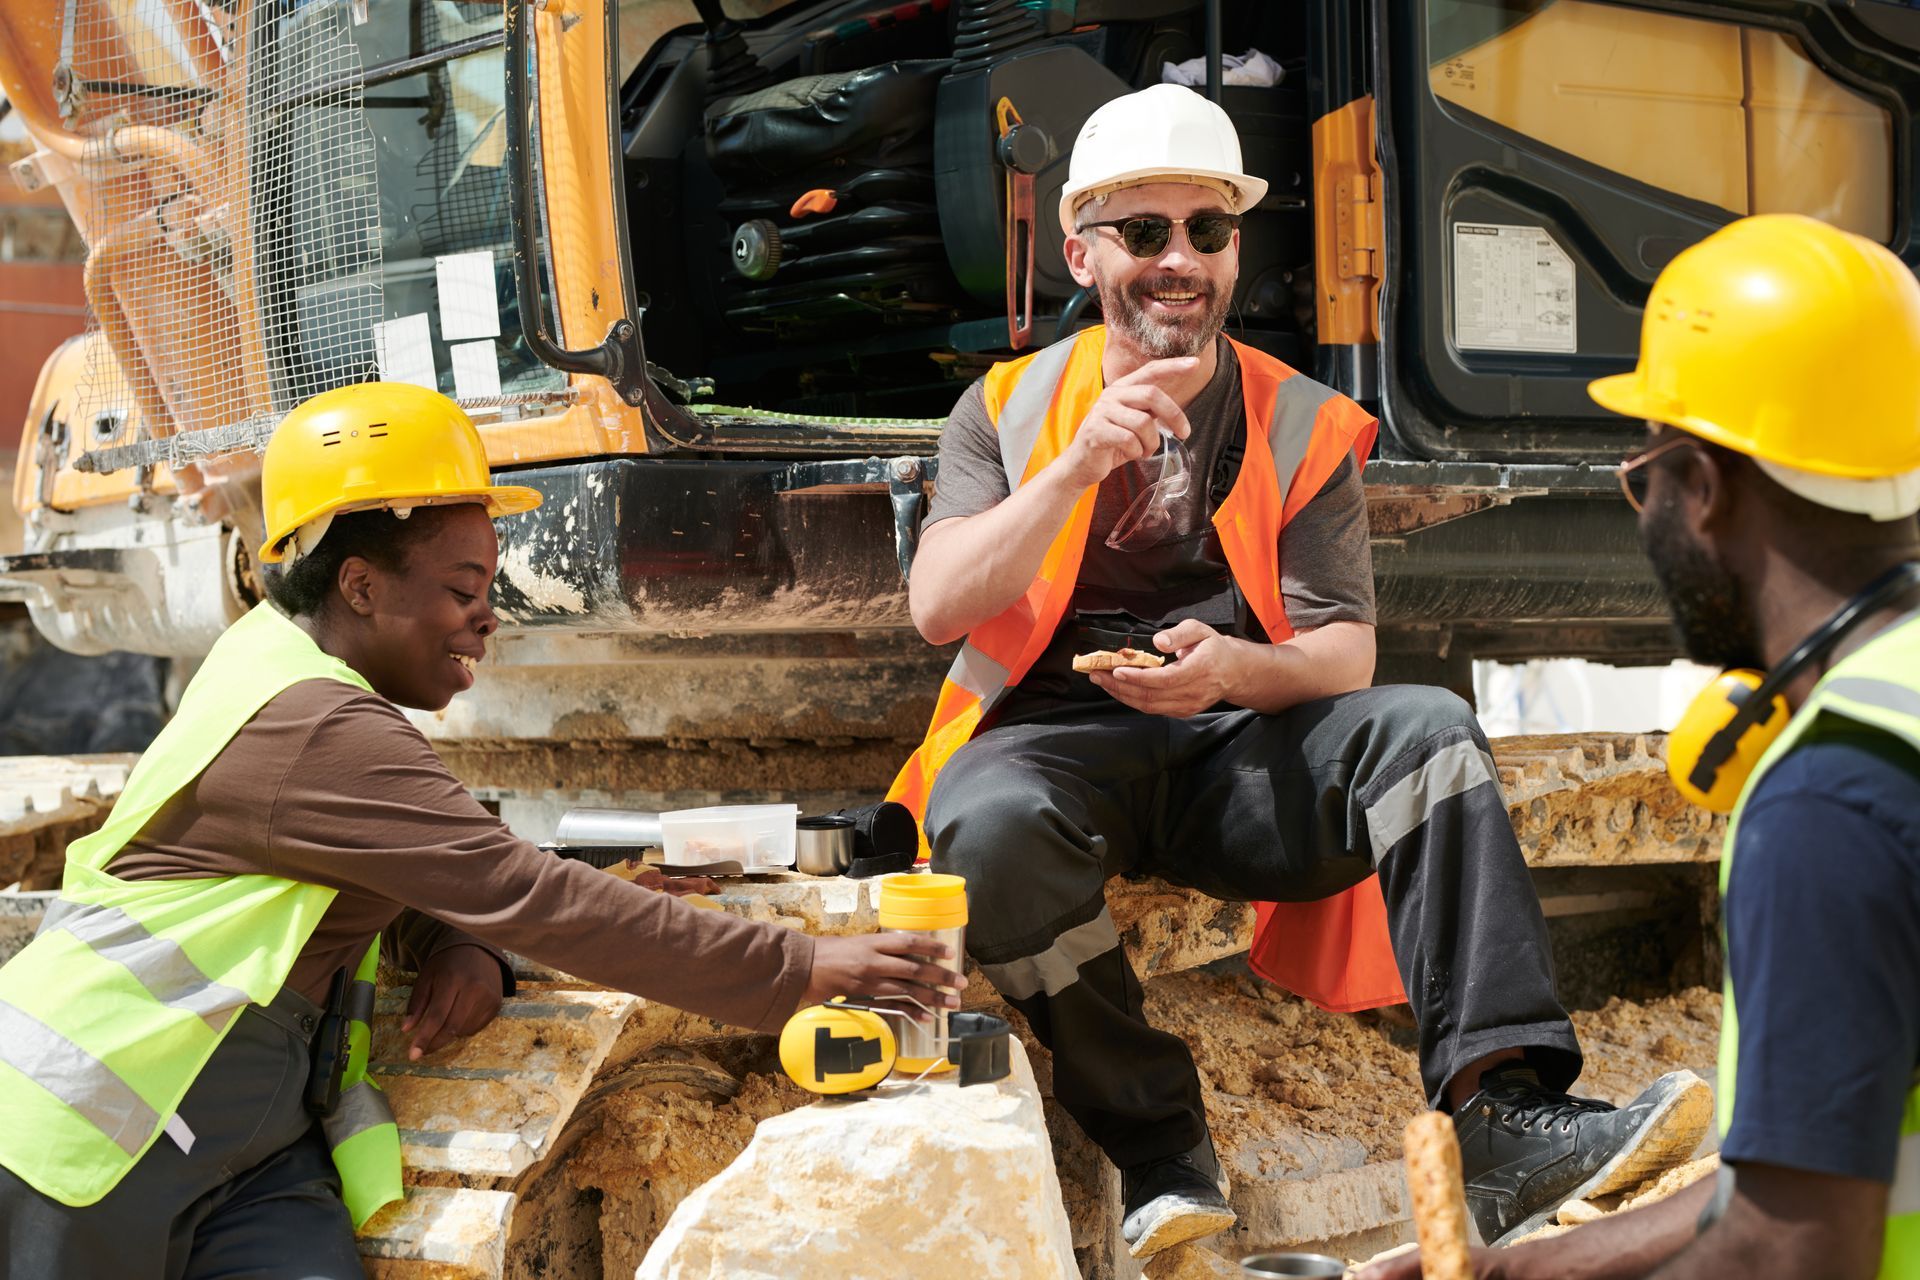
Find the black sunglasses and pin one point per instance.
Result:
(1147, 236)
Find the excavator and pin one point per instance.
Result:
(709, 274)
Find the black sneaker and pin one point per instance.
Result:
(1526, 1150)
(1173, 1200)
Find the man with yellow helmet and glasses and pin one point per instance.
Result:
(183, 1045)
(1780, 377)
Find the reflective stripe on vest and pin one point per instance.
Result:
(158, 964)
(1877, 686)
(76, 1078)
(1334, 952)
(110, 1013)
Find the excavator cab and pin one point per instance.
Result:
(711, 273)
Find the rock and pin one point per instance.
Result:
(929, 1181)
(1191, 1262)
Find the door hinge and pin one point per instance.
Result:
(1349, 225)
(1356, 199)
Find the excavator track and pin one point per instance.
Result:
(557, 1140)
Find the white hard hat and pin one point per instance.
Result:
(1167, 133)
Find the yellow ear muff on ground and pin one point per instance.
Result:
(1708, 769)
(834, 1048)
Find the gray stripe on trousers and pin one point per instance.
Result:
(1058, 967)
(160, 964)
(1025, 411)
(1453, 770)
(359, 1109)
(77, 1078)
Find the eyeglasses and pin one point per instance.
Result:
(1634, 476)
(1147, 236)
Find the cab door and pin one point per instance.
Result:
(1544, 159)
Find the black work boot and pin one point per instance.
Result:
(1173, 1200)
(1526, 1150)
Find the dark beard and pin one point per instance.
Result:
(1711, 613)
(1126, 310)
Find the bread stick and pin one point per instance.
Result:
(1106, 660)
(1439, 1197)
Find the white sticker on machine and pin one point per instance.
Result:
(1512, 290)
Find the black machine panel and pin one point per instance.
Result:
(1536, 188)
(830, 236)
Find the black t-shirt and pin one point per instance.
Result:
(1823, 945)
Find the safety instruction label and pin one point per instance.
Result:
(1512, 290)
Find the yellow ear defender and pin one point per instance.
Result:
(839, 1047)
(1732, 722)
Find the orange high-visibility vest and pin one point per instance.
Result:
(1336, 951)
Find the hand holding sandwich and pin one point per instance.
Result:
(1212, 669)
(1209, 670)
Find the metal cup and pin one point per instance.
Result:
(823, 846)
(1267, 1266)
(927, 1041)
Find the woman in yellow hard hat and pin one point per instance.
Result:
(183, 1084)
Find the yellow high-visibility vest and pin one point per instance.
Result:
(109, 1014)
(1878, 686)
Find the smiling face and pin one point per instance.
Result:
(417, 630)
(1173, 304)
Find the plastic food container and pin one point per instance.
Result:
(754, 835)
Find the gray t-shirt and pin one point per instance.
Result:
(1326, 564)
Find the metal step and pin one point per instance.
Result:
(440, 1233)
(48, 801)
(491, 1105)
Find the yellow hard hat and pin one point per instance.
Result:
(375, 444)
(1793, 342)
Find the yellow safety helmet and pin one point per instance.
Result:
(374, 444)
(1797, 344)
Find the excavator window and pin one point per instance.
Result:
(434, 103)
(1767, 129)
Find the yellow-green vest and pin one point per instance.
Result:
(1877, 686)
(110, 1013)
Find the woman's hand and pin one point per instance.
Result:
(456, 992)
(872, 965)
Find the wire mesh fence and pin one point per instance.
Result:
(231, 200)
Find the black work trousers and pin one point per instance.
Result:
(1039, 811)
(256, 1198)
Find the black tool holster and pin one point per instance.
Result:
(331, 1045)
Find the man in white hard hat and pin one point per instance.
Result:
(1256, 763)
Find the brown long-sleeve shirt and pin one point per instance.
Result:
(334, 786)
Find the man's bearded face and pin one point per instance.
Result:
(1711, 610)
(1172, 304)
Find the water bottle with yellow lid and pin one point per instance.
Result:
(934, 905)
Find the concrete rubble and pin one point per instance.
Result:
(927, 1180)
